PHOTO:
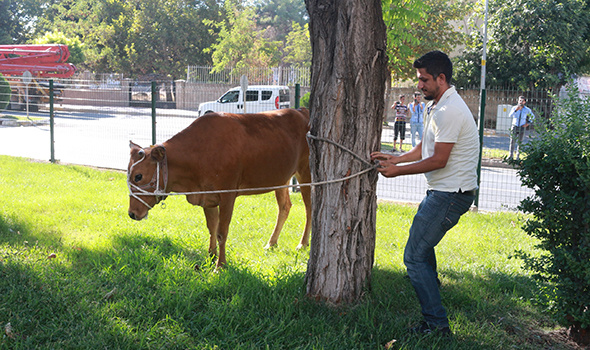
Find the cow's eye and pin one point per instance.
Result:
(138, 177)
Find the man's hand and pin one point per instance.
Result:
(387, 164)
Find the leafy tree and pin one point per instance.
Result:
(436, 31)
(277, 16)
(18, 19)
(416, 27)
(7, 23)
(531, 43)
(298, 46)
(399, 17)
(239, 42)
(75, 47)
(137, 37)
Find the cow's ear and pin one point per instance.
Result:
(133, 145)
(158, 153)
(135, 149)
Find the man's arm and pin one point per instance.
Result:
(388, 163)
(512, 111)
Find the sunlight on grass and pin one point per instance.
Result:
(117, 283)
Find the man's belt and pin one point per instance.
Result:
(470, 192)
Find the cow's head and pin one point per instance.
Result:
(147, 176)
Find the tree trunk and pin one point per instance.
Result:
(347, 90)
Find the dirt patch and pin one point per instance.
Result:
(556, 339)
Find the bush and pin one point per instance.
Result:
(557, 168)
(304, 102)
(4, 93)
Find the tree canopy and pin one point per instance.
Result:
(531, 43)
(239, 43)
(415, 27)
(136, 37)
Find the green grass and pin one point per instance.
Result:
(18, 117)
(119, 284)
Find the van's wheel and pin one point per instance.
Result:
(208, 112)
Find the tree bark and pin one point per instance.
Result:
(347, 101)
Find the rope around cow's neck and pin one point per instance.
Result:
(141, 189)
(161, 192)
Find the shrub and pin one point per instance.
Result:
(4, 93)
(304, 102)
(557, 168)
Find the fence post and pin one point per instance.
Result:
(153, 112)
(297, 95)
(51, 123)
(482, 108)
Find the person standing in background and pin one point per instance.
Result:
(522, 117)
(399, 128)
(417, 118)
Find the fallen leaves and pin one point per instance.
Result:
(390, 344)
(8, 331)
(110, 294)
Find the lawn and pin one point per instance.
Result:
(77, 273)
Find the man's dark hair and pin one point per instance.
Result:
(436, 63)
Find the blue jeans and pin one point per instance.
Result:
(437, 214)
(416, 128)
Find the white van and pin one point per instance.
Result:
(259, 98)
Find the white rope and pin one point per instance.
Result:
(159, 192)
(131, 186)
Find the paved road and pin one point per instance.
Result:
(101, 138)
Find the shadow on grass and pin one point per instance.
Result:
(146, 291)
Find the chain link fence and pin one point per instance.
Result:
(94, 120)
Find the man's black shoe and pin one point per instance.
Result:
(425, 329)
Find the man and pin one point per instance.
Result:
(399, 127)
(448, 156)
(522, 116)
(417, 118)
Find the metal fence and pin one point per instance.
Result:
(256, 75)
(93, 122)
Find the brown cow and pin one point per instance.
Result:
(222, 151)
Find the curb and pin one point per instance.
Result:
(17, 122)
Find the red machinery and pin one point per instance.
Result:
(42, 61)
(45, 61)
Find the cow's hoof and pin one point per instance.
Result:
(219, 268)
(301, 246)
(268, 246)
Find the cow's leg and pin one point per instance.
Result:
(284, 203)
(212, 217)
(304, 178)
(226, 208)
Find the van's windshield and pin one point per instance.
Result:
(230, 96)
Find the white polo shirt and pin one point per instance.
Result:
(451, 121)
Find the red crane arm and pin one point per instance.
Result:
(47, 61)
